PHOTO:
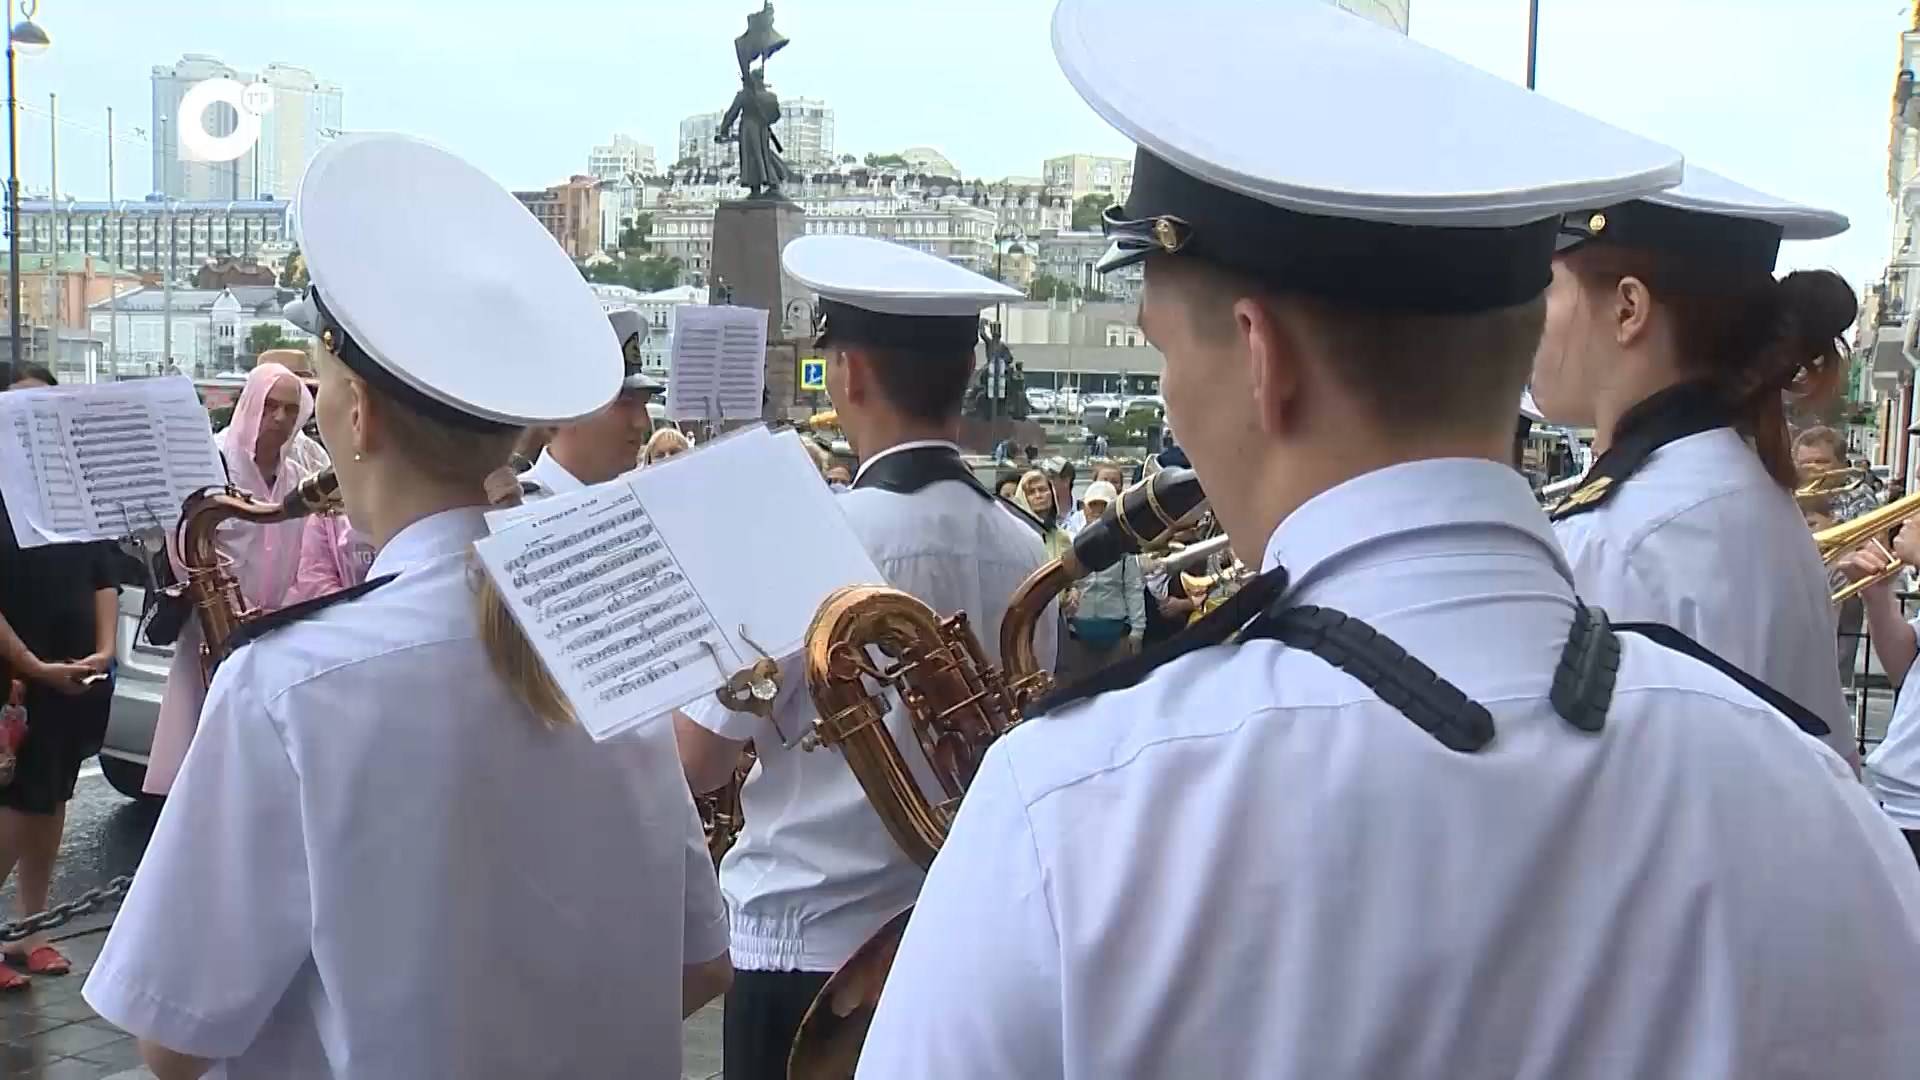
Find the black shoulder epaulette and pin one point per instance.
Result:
(1668, 416)
(254, 629)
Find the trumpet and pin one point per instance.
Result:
(1844, 480)
(1835, 542)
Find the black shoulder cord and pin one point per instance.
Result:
(1582, 689)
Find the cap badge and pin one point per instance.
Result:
(1596, 223)
(1168, 234)
(327, 339)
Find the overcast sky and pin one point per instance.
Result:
(1790, 96)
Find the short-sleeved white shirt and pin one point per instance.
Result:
(376, 863)
(1250, 865)
(814, 872)
(1702, 539)
(1893, 769)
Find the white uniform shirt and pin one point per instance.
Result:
(706, 924)
(814, 872)
(553, 477)
(376, 864)
(1250, 865)
(1702, 539)
(1893, 769)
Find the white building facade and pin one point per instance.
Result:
(210, 328)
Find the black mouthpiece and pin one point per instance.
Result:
(312, 494)
(1144, 515)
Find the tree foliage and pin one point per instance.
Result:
(266, 336)
(1087, 210)
(645, 273)
(1046, 286)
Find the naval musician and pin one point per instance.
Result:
(1668, 334)
(1378, 835)
(389, 853)
(814, 872)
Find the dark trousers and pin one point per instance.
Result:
(763, 1012)
(1913, 841)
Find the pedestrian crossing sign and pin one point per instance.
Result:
(813, 373)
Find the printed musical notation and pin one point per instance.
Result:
(632, 592)
(95, 462)
(718, 370)
(605, 603)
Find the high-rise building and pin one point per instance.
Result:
(1392, 13)
(697, 148)
(806, 130)
(623, 157)
(296, 112)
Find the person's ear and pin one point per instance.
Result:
(363, 419)
(858, 375)
(1273, 358)
(1632, 311)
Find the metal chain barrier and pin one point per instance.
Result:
(61, 914)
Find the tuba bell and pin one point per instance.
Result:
(210, 586)
(958, 704)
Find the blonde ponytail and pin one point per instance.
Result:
(457, 456)
(512, 656)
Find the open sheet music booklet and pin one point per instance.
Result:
(650, 591)
(99, 461)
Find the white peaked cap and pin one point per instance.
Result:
(1704, 192)
(435, 284)
(1322, 153)
(890, 279)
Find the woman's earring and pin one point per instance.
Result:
(357, 457)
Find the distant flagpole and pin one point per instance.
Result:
(1533, 39)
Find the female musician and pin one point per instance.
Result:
(392, 852)
(272, 409)
(665, 443)
(1669, 335)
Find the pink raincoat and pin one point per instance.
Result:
(264, 558)
(333, 556)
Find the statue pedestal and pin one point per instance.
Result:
(748, 235)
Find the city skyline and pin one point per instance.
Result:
(1794, 106)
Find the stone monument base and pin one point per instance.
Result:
(748, 236)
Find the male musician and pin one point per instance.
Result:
(814, 872)
(1403, 846)
(608, 443)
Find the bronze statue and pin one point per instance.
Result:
(759, 42)
(756, 109)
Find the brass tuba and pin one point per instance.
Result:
(958, 704)
(210, 585)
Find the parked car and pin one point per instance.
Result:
(136, 701)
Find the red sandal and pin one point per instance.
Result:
(11, 980)
(47, 960)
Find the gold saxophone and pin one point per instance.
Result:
(958, 704)
(210, 585)
(720, 815)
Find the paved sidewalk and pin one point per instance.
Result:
(48, 1032)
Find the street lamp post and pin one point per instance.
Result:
(26, 36)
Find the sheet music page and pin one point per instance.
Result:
(766, 560)
(611, 613)
(647, 592)
(719, 363)
(93, 462)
